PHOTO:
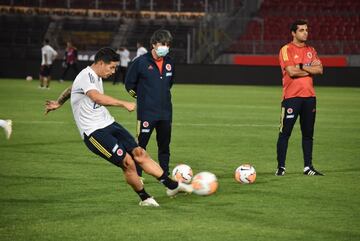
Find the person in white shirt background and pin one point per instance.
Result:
(122, 67)
(48, 55)
(140, 49)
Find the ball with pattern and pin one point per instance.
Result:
(204, 183)
(245, 174)
(182, 173)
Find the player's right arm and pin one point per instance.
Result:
(295, 71)
(107, 100)
(51, 105)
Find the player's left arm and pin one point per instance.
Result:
(313, 69)
(45, 58)
(51, 105)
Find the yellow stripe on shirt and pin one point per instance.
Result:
(284, 53)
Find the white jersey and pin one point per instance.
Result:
(48, 55)
(89, 116)
(124, 57)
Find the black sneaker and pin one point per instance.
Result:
(280, 171)
(310, 171)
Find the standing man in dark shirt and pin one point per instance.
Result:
(70, 60)
(149, 79)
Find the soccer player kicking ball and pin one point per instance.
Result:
(105, 137)
(299, 62)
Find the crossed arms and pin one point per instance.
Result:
(305, 70)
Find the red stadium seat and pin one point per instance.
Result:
(329, 21)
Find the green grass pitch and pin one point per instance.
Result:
(53, 188)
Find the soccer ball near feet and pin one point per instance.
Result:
(204, 183)
(182, 173)
(245, 174)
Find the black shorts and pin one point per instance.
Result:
(45, 70)
(111, 143)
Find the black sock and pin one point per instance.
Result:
(143, 194)
(164, 179)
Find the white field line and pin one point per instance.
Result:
(174, 124)
(178, 124)
(223, 125)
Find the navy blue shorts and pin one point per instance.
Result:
(111, 143)
(45, 70)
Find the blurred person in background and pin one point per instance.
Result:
(149, 79)
(48, 55)
(299, 62)
(122, 68)
(70, 60)
(140, 50)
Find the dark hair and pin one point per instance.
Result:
(47, 41)
(294, 25)
(161, 36)
(107, 55)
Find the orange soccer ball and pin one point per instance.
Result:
(245, 174)
(204, 183)
(182, 173)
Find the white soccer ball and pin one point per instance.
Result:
(245, 174)
(29, 78)
(204, 183)
(182, 173)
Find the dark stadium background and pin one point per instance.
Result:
(227, 104)
(216, 41)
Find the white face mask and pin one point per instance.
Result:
(162, 51)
